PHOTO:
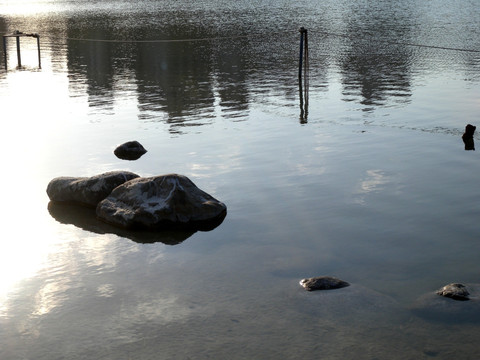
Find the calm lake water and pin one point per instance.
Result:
(362, 175)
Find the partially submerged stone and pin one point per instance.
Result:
(88, 191)
(131, 150)
(435, 306)
(323, 283)
(455, 291)
(160, 202)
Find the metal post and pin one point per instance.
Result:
(19, 58)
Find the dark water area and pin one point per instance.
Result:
(358, 172)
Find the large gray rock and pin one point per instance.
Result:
(88, 191)
(161, 202)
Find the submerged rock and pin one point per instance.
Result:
(88, 191)
(167, 201)
(323, 283)
(131, 150)
(445, 308)
(454, 291)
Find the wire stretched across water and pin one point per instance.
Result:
(160, 40)
(259, 36)
(402, 43)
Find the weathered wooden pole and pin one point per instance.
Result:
(38, 47)
(18, 34)
(305, 52)
(5, 50)
(300, 60)
(19, 58)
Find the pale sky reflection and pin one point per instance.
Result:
(374, 180)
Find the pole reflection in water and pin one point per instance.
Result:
(303, 93)
(303, 82)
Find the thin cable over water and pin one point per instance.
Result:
(326, 33)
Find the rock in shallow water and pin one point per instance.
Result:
(131, 150)
(441, 308)
(167, 201)
(454, 291)
(88, 191)
(323, 283)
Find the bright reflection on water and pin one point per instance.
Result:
(371, 183)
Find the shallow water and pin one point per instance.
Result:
(369, 181)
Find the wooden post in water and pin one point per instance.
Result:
(19, 58)
(5, 50)
(300, 59)
(17, 34)
(38, 48)
(305, 53)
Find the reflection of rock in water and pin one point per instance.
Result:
(432, 306)
(86, 219)
(467, 137)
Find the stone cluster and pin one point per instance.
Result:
(126, 200)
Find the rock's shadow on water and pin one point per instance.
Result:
(86, 219)
(436, 308)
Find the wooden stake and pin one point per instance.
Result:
(5, 50)
(19, 58)
(38, 47)
(300, 60)
(18, 34)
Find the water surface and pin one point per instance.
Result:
(369, 181)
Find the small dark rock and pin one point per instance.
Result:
(131, 150)
(323, 283)
(467, 137)
(454, 291)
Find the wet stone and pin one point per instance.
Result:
(442, 305)
(87, 191)
(454, 291)
(160, 202)
(323, 283)
(131, 150)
